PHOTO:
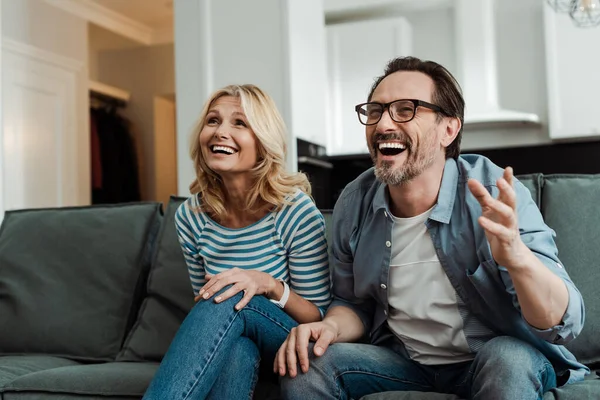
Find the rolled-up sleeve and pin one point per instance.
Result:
(572, 321)
(342, 268)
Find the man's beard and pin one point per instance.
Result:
(417, 160)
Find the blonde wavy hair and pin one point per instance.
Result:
(272, 182)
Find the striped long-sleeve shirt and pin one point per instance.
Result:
(288, 244)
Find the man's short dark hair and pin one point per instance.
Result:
(446, 93)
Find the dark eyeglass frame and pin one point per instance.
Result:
(417, 103)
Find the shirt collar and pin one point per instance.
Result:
(442, 211)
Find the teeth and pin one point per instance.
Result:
(224, 148)
(392, 145)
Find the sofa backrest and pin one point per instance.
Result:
(569, 204)
(71, 279)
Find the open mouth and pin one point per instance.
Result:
(218, 149)
(391, 148)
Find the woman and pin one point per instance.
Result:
(255, 247)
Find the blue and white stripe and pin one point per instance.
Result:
(288, 244)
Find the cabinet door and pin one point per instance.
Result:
(357, 53)
(573, 79)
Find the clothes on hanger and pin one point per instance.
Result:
(115, 176)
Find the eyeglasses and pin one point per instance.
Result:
(400, 110)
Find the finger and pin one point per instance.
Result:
(290, 354)
(209, 282)
(279, 361)
(248, 294)
(323, 342)
(508, 175)
(493, 228)
(232, 291)
(302, 338)
(507, 193)
(217, 283)
(501, 212)
(479, 191)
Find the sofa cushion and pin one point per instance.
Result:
(570, 207)
(70, 278)
(588, 389)
(12, 367)
(533, 182)
(169, 296)
(106, 380)
(395, 395)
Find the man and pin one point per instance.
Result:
(442, 266)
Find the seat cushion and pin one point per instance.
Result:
(169, 296)
(588, 389)
(12, 367)
(409, 396)
(71, 278)
(107, 380)
(570, 207)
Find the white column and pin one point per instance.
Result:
(278, 45)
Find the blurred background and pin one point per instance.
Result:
(99, 96)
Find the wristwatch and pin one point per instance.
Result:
(284, 298)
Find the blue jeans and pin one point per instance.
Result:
(217, 350)
(504, 368)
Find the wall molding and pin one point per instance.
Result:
(107, 18)
(45, 56)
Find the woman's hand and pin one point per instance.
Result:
(249, 281)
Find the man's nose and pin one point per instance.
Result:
(386, 123)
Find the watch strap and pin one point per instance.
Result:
(284, 298)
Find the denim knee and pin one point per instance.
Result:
(512, 353)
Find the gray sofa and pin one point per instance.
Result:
(90, 297)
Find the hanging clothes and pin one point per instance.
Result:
(118, 161)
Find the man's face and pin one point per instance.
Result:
(402, 151)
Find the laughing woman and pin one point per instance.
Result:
(255, 247)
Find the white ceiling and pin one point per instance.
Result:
(153, 13)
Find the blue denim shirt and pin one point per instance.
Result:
(361, 248)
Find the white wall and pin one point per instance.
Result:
(145, 72)
(270, 43)
(36, 23)
(41, 25)
(520, 56)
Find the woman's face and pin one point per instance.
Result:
(228, 145)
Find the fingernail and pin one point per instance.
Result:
(218, 299)
(200, 292)
(318, 351)
(205, 295)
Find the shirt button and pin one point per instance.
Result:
(385, 213)
(388, 244)
(383, 286)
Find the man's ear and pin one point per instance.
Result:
(452, 127)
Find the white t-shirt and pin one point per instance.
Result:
(423, 304)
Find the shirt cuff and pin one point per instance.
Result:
(570, 325)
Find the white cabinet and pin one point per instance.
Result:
(573, 77)
(357, 53)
